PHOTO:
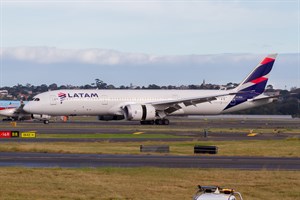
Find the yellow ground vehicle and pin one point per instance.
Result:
(216, 193)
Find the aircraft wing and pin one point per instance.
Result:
(170, 106)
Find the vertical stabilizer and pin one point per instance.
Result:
(257, 80)
(254, 84)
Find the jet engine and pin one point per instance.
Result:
(138, 112)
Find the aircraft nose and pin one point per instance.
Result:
(26, 108)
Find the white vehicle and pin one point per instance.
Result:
(153, 106)
(216, 193)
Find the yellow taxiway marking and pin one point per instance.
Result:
(252, 134)
(137, 133)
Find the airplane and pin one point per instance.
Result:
(13, 111)
(154, 106)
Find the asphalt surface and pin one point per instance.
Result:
(107, 160)
(189, 129)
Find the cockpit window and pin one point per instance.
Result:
(36, 99)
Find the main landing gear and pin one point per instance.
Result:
(157, 122)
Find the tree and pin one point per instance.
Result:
(53, 86)
(110, 87)
(43, 88)
(87, 86)
(153, 86)
(100, 84)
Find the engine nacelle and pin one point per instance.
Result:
(40, 117)
(138, 112)
(110, 117)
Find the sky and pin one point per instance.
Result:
(147, 42)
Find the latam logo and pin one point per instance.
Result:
(63, 96)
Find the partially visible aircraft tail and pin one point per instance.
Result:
(254, 84)
(257, 80)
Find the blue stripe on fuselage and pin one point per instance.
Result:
(241, 98)
(247, 93)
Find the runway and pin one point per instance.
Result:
(114, 160)
(184, 129)
(187, 129)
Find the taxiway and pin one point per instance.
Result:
(115, 160)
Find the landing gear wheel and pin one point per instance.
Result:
(158, 122)
(46, 121)
(162, 122)
(166, 122)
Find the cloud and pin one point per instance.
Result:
(80, 66)
(52, 55)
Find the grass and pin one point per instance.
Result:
(272, 148)
(108, 136)
(255, 130)
(142, 183)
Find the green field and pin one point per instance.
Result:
(108, 136)
(272, 148)
(142, 183)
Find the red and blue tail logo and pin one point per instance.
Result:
(258, 78)
(255, 82)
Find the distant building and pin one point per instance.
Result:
(3, 92)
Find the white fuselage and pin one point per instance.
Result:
(111, 102)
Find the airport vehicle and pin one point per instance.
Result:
(153, 106)
(216, 193)
(13, 111)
